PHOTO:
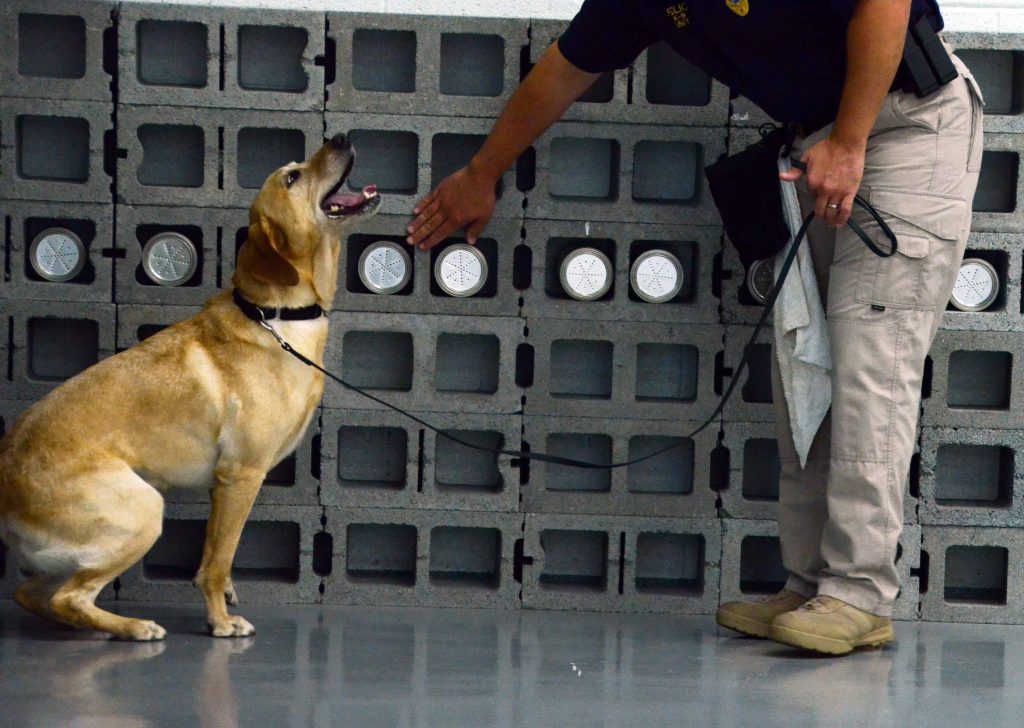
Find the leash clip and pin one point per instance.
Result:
(265, 324)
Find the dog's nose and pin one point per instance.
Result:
(340, 141)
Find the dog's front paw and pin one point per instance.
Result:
(233, 627)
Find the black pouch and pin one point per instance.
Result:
(748, 195)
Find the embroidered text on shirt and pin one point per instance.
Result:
(679, 15)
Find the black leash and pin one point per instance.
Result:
(734, 380)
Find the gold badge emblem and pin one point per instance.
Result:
(740, 7)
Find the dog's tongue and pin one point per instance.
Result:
(351, 199)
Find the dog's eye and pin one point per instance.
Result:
(289, 180)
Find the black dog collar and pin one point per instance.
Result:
(258, 314)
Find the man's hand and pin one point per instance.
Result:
(834, 172)
(466, 199)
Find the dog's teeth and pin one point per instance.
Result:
(335, 208)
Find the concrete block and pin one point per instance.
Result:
(422, 295)
(996, 61)
(406, 557)
(752, 400)
(673, 484)
(668, 89)
(386, 460)
(435, 364)
(551, 240)
(971, 477)
(181, 55)
(406, 157)
(214, 233)
(273, 564)
(624, 173)
(54, 50)
(137, 322)
(622, 370)
(92, 223)
(414, 64)
(54, 340)
(204, 157)
(974, 575)
(1002, 251)
(32, 128)
(977, 380)
(596, 563)
(999, 199)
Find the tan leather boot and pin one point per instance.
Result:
(829, 625)
(755, 618)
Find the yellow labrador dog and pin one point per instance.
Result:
(212, 402)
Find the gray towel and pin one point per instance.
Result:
(801, 335)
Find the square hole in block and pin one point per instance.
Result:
(451, 152)
(1001, 77)
(574, 560)
(601, 91)
(383, 553)
(378, 359)
(472, 64)
(51, 46)
(84, 229)
(282, 475)
(583, 168)
(670, 472)
(980, 380)
(357, 245)
(666, 372)
(997, 185)
(670, 563)
(268, 551)
(171, 53)
(976, 574)
(461, 556)
(589, 447)
(688, 255)
(758, 386)
(761, 569)
(146, 330)
(172, 155)
(193, 233)
(466, 363)
(665, 171)
(463, 468)
(372, 457)
(555, 253)
(974, 475)
(761, 469)
(388, 159)
(261, 151)
(673, 80)
(53, 148)
(384, 60)
(581, 369)
(60, 348)
(270, 58)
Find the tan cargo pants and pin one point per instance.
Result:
(840, 517)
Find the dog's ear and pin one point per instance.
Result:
(263, 257)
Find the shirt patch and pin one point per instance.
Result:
(740, 7)
(680, 14)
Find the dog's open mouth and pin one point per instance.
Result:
(338, 204)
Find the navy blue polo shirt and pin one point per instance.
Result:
(787, 56)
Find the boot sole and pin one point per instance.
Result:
(829, 645)
(743, 625)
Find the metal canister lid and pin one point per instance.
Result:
(656, 276)
(57, 254)
(169, 259)
(976, 287)
(586, 274)
(760, 279)
(385, 267)
(460, 270)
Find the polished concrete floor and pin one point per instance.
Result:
(356, 667)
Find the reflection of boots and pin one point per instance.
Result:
(755, 618)
(217, 702)
(830, 625)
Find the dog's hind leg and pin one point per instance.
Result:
(35, 593)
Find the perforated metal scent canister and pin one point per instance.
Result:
(656, 276)
(976, 287)
(760, 279)
(57, 254)
(169, 259)
(586, 274)
(385, 267)
(460, 270)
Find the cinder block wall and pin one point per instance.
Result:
(122, 120)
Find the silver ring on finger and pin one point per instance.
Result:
(832, 206)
